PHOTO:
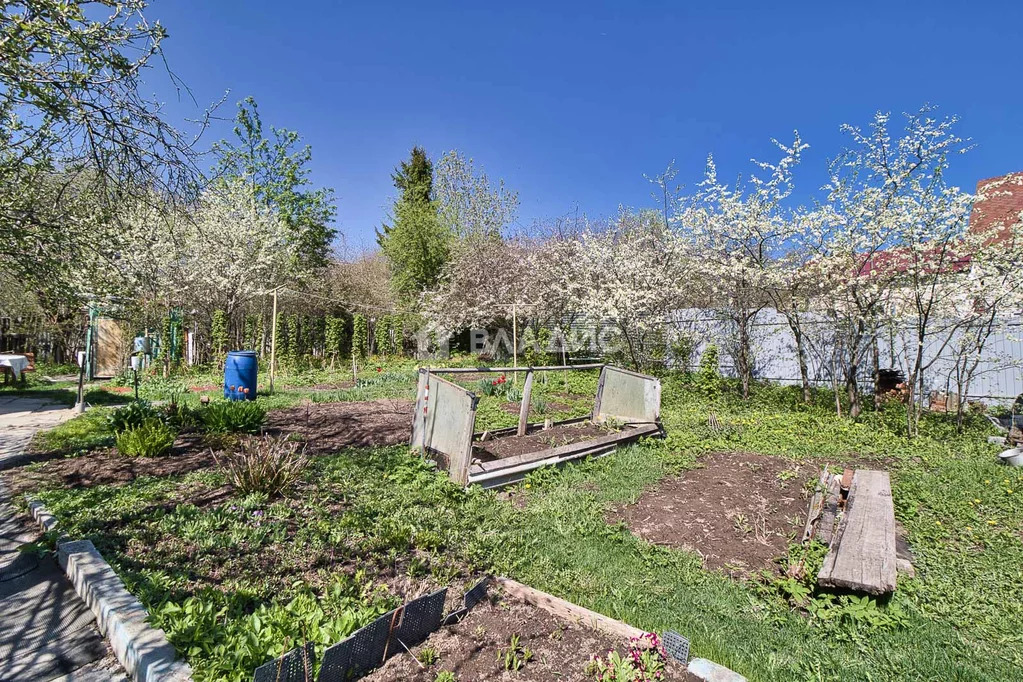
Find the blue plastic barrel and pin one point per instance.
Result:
(240, 372)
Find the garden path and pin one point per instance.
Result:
(46, 632)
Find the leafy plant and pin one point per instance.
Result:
(241, 416)
(151, 438)
(445, 676)
(515, 657)
(539, 405)
(428, 655)
(644, 661)
(360, 336)
(266, 465)
(708, 379)
(131, 415)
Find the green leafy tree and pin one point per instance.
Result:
(77, 137)
(360, 336)
(277, 169)
(334, 338)
(417, 243)
(382, 335)
(218, 333)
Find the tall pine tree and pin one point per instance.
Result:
(416, 244)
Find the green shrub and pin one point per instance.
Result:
(708, 377)
(240, 416)
(151, 438)
(131, 416)
(179, 415)
(264, 465)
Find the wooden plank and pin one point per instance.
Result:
(567, 610)
(863, 556)
(527, 395)
(816, 504)
(825, 532)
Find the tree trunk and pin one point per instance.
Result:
(743, 359)
(797, 333)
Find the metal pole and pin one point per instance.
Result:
(273, 344)
(80, 405)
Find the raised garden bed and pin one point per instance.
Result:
(494, 640)
(324, 428)
(626, 408)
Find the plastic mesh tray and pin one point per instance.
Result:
(294, 666)
(419, 619)
(676, 645)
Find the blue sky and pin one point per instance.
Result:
(573, 102)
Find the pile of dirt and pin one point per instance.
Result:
(739, 511)
(473, 649)
(541, 439)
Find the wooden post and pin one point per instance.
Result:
(273, 343)
(527, 390)
(355, 369)
(515, 343)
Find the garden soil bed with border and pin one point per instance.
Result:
(473, 648)
(739, 511)
(325, 428)
(501, 447)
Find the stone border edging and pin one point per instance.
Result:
(141, 649)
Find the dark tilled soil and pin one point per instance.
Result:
(470, 649)
(106, 466)
(739, 511)
(329, 427)
(324, 427)
(556, 436)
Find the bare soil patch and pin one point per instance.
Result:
(329, 427)
(325, 428)
(106, 466)
(739, 511)
(471, 648)
(535, 441)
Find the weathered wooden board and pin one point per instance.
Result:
(829, 513)
(567, 610)
(816, 504)
(862, 558)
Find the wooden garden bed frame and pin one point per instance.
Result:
(444, 421)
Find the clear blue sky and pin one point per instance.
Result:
(573, 102)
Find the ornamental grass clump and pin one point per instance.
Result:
(268, 465)
(151, 438)
(233, 417)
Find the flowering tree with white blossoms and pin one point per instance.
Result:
(218, 254)
(894, 250)
(629, 276)
(737, 234)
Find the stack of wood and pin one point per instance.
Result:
(853, 514)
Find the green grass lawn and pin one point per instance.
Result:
(235, 580)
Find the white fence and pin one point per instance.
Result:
(999, 375)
